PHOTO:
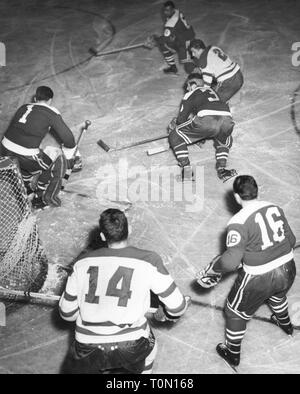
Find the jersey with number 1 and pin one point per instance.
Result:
(259, 235)
(108, 294)
(215, 64)
(33, 121)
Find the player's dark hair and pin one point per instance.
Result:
(114, 225)
(169, 4)
(246, 187)
(197, 44)
(43, 93)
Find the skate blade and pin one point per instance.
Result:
(230, 366)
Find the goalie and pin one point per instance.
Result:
(202, 116)
(42, 170)
(260, 238)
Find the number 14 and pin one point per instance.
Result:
(123, 274)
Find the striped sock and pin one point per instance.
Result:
(280, 307)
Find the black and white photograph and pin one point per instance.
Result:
(149, 190)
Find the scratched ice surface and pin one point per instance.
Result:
(127, 98)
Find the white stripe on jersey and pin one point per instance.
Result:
(209, 112)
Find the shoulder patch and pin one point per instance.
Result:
(167, 33)
(233, 238)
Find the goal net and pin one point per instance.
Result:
(23, 263)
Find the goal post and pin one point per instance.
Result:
(23, 263)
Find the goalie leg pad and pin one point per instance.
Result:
(50, 182)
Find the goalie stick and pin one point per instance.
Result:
(83, 128)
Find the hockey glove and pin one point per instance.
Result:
(151, 41)
(208, 277)
(161, 315)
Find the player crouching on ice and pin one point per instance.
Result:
(260, 238)
(42, 170)
(108, 295)
(202, 116)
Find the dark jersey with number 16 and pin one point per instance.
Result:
(32, 122)
(258, 236)
(202, 101)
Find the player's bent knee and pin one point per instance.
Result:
(173, 138)
(229, 314)
(150, 360)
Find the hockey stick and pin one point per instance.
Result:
(161, 149)
(27, 297)
(83, 128)
(95, 53)
(104, 146)
(294, 98)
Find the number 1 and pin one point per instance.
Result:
(23, 119)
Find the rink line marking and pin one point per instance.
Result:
(288, 106)
(186, 243)
(193, 269)
(288, 185)
(36, 347)
(221, 309)
(181, 341)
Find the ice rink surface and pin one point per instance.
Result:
(128, 98)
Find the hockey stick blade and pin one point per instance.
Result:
(155, 151)
(103, 145)
(83, 128)
(93, 51)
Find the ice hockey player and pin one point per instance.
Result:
(218, 70)
(202, 115)
(176, 38)
(260, 238)
(108, 295)
(42, 170)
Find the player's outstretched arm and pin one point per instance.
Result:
(68, 303)
(62, 132)
(209, 277)
(172, 303)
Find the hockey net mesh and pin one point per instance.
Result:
(23, 263)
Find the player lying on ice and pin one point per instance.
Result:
(42, 170)
(108, 295)
(202, 116)
(260, 238)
